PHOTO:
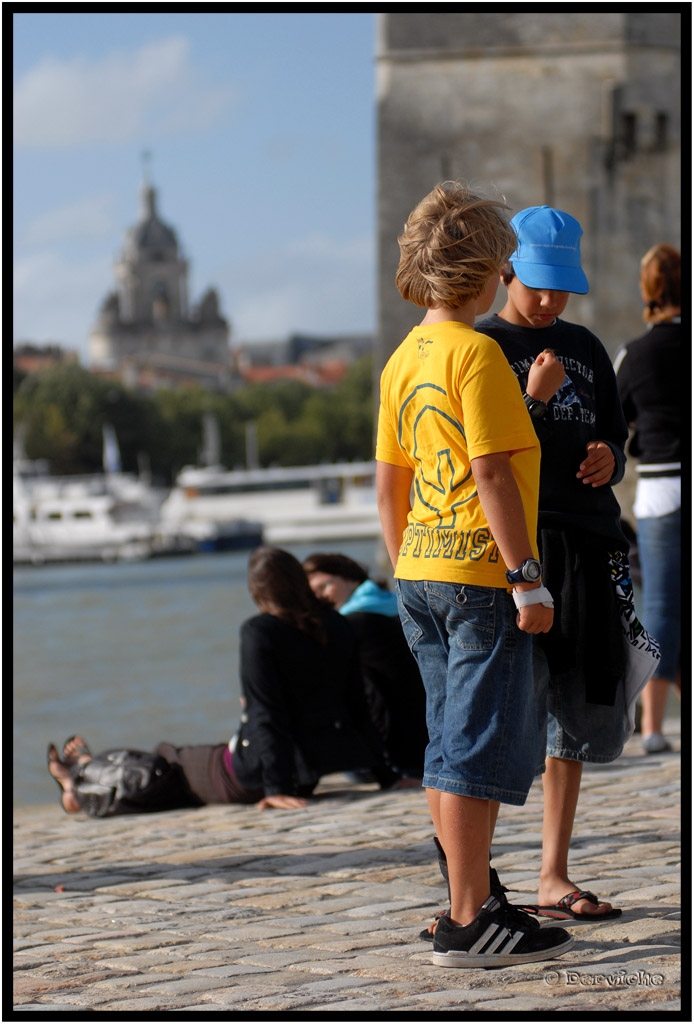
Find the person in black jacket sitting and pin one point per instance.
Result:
(392, 681)
(304, 716)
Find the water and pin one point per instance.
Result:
(130, 655)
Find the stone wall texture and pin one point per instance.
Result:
(577, 110)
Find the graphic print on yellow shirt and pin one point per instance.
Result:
(449, 396)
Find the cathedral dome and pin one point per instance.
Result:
(151, 238)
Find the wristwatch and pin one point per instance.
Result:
(529, 572)
(536, 408)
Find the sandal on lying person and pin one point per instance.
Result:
(561, 910)
(74, 749)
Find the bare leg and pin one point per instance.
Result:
(653, 700)
(494, 806)
(561, 783)
(493, 815)
(463, 826)
(61, 772)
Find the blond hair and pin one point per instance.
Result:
(661, 283)
(452, 243)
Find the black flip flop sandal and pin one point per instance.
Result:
(561, 910)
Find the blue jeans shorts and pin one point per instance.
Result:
(659, 541)
(477, 671)
(573, 729)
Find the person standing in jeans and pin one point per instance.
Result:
(649, 372)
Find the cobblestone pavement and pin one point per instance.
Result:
(230, 910)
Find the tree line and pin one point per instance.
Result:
(61, 412)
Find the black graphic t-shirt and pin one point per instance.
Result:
(585, 408)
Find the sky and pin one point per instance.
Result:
(260, 130)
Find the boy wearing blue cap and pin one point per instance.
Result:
(457, 478)
(570, 390)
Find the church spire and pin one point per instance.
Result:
(148, 192)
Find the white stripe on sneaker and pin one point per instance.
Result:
(501, 934)
(492, 938)
(493, 931)
(512, 942)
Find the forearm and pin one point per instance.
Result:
(393, 486)
(503, 507)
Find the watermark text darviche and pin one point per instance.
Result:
(618, 979)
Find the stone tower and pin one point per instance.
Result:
(147, 314)
(577, 110)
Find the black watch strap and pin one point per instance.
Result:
(536, 408)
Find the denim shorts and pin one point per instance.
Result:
(573, 729)
(659, 543)
(477, 670)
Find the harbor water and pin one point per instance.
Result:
(130, 654)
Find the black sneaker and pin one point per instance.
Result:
(496, 938)
(497, 890)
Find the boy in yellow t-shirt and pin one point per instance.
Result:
(457, 483)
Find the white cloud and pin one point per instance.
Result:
(89, 219)
(147, 93)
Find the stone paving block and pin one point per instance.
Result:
(230, 970)
(45, 1008)
(141, 1004)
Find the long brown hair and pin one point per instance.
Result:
(661, 283)
(279, 586)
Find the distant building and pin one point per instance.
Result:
(578, 110)
(29, 358)
(146, 321)
(316, 360)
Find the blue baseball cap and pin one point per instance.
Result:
(548, 254)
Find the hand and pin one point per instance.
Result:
(408, 782)
(545, 377)
(535, 618)
(287, 803)
(598, 467)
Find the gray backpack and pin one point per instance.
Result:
(130, 782)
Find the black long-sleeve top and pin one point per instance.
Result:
(649, 379)
(586, 408)
(306, 713)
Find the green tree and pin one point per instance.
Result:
(63, 410)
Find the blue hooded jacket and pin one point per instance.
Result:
(369, 597)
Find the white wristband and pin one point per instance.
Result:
(540, 595)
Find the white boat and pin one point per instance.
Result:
(57, 521)
(109, 516)
(298, 504)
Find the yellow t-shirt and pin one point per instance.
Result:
(448, 395)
